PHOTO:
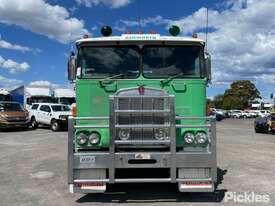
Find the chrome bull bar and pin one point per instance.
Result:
(110, 160)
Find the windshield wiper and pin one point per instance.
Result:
(171, 78)
(111, 77)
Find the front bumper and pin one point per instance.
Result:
(8, 125)
(83, 166)
(63, 122)
(193, 171)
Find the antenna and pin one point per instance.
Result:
(206, 29)
(139, 16)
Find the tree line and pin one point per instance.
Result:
(238, 96)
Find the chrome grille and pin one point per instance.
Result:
(141, 115)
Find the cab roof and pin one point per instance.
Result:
(141, 38)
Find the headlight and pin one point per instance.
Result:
(94, 138)
(160, 134)
(3, 116)
(62, 117)
(124, 134)
(82, 139)
(189, 137)
(201, 138)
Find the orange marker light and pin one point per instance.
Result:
(74, 110)
(85, 36)
(194, 35)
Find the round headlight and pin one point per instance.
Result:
(94, 138)
(82, 139)
(160, 134)
(201, 137)
(189, 137)
(124, 134)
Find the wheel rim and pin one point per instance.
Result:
(33, 123)
(54, 125)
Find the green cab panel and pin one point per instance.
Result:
(92, 99)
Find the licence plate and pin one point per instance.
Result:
(142, 156)
(87, 159)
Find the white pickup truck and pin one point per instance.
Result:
(53, 115)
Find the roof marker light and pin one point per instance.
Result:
(194, 35)
(106, 31)
(152, 32)
(174, 30)
(85, 36)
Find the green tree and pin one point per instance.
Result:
(218, 101)
(239, 95)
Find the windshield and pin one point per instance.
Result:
(60, 108)
(67, 100)
(107, 61)
(4, 97)
(11, 107)
(155, 61)
(40, 99)
(167, 61)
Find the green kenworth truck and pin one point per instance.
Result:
(140, 114)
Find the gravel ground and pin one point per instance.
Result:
(33, 172)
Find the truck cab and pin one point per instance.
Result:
(140, 113)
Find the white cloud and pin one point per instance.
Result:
(9, 83)
(242, 41)
(124, 25)
(12, 66)
(241, 38)
(7, 45)
(109, 3)
(43, 18)
(43, 83)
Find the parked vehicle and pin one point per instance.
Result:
(263, 113)
(64, 96)
(265, 124)
(135, 116)
(248, 114)
(27, 95)
(13, 115)
(53, 115)
(218, 116)
(236, 114)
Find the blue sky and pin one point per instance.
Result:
(36, 35)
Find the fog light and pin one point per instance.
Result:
(189, 137)
(124, 134)
(201, 138)
(160, 134)
(82, 139)
(94, 138)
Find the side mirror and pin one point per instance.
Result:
(71, 68)
(208, 66)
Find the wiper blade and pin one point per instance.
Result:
(171, 78)
(112, 77)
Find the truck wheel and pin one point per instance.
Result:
(54, 126)
(33, 123)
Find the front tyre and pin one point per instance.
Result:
(33, 123)
(55, 126)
